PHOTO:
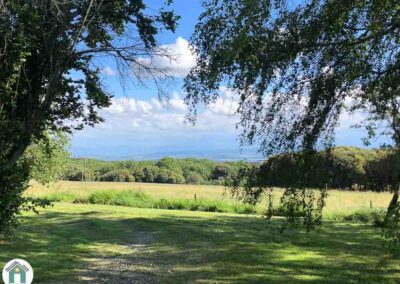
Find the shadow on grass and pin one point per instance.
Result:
(96, 248)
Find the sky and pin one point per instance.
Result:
(139, 126)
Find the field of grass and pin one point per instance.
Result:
(80, 243)
(340, 204)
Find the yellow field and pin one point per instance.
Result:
(157, 190)
(337, 202)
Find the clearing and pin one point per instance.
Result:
(79, 243)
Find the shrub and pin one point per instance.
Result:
(245, 209)
(103, 197)
(194, 178)
(122, 175)
(168, 176)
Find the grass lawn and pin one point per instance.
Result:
(76, 243)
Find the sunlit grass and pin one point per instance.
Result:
(339, 203)
(77, 243)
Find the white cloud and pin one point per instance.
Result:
(108, 71)
(176, 103)
(180, 63)
(348, 119)
(226, 104)
(115, 108)
(128, 116)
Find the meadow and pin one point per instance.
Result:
(97, 243)
(86, 243)
(341, 205)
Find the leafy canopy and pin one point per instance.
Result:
(50, 65)
(295, 65)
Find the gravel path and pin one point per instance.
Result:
(135, 266)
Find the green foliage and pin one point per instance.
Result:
(13, 182)
(47, 157)
(391, 229)
(133, 198)
(383, 172)
(122, 175)
(42, 161)
(294, 65)
(166, 170)
(194, 178)
(339, 167)
(41, 44)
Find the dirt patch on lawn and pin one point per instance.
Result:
(136, 265)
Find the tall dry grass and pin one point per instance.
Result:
(338, 202)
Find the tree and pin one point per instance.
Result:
(194, 178)
(295, 66)
(43, 43)
(120, 175)
(221, 171)
(170, 164)
(47, 157)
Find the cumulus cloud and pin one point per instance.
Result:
(134, 124)
(128, 114)
(181, 59)
(176, 103)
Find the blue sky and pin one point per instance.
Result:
(139, 126)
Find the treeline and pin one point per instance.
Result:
(341, 167)
(166, 170)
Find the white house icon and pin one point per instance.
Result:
(17, 273)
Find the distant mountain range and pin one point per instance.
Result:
(247, 154)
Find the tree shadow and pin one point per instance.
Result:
(94, 247)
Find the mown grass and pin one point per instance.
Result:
(85, 243)
(341, 205)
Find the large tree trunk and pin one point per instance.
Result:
(395, 125)
(395, 199)
(394, 203)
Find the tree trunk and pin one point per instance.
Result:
(395, 199)
(393, 204)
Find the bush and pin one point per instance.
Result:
(167, 176)
(122, 198)
(142, 200)
(194, 178)
(103, 197)
(245, 209)
(122, 175)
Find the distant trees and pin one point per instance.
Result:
(340, 167)
(120, 175)
(194, 178)
(347, 168)
(166, 170)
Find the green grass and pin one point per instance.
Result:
(341, 205)
(131, 198)
(85, 243)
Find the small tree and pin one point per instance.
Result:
(48, 157)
